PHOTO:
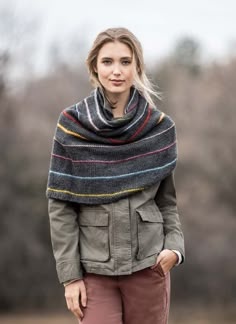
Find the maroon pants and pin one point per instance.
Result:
(142, 297)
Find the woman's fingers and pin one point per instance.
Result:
(167, 260)
(68, 303)
(73, 306)
(76, 308)
(73, 293)
(83, 295)
(166, 266)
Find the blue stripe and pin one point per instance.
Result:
(113, 177)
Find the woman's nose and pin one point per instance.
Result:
(116, 70)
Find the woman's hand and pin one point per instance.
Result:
(167, 259)
(74, 292)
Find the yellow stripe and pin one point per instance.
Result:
(70, 132)
(95, 195)
(160, 118)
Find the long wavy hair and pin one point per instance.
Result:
(122, 35)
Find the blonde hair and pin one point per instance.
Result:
(123, 35)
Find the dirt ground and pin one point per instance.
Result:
(184, 316)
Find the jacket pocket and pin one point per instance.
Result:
(94, 235)
(150, 231)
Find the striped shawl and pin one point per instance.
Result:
(97, 158)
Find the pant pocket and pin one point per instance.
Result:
(158, 269)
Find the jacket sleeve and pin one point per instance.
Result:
(64, 231)
(166, 201)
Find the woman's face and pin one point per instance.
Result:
(115, 67)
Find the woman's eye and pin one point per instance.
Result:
(126, 62)
(106, 62)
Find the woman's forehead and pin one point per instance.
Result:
(114, 49)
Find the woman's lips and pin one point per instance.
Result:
(117, 82)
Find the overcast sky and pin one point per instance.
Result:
(157, 24)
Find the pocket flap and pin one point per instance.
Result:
(150, 214)
(93, 218)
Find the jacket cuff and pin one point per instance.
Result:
(177, 249)
(69, 270)
(179, 257)
(66, 283)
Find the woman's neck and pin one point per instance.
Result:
(121, 100)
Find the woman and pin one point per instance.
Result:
(114, 223)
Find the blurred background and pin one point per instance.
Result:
(190, 53)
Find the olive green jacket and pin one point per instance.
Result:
(116, 238)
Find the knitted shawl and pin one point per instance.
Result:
(97, 158)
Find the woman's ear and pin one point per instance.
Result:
(138, 69)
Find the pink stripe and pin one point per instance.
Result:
(115, 161)
(132, 107)
(61, 157)
(108, 146)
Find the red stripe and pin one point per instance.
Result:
(112, 139)
(136, 133)
(71, 118)
(141, 127)
(116, 141)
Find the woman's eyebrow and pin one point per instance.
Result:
(122, 58)
(106, 58)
